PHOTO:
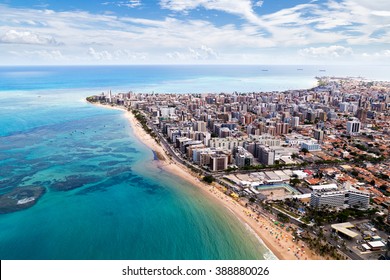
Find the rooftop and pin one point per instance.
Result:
(345, 229)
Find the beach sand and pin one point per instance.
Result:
(277, 239)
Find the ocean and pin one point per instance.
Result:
(105, 198)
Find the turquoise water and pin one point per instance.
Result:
(105, 198)
(116, 205)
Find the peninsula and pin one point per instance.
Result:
(306, 170)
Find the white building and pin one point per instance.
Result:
(327, 187)
(352, 198)
(296, 139)
(295, 121)
(243, 157)
(265, 139)
(344, 106)
(332, 199)
(167, 111)
(353, 126)
(228, 143)
(359, 199)
(267, 155)
(311, 146)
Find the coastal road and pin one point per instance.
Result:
(172, 152)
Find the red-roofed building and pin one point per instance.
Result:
(308, 172)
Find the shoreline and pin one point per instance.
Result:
(275, 239)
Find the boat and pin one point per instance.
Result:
(25, 200)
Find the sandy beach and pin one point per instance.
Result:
(277, 239)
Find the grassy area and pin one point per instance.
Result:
(286, 211)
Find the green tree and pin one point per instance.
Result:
(208, 179)
(295, 181)
(283, 218)
(304, 150)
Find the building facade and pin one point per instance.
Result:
(353, 127)
(266, 155)
(311, 146)
(338, 199)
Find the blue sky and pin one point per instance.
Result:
(194, 32)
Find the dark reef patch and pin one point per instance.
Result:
(110, 182)
(73, 182)
(125, 149)
(110, 163)
(14, 181)
(118, 171)
(20, 198)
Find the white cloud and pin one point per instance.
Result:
(26, 37)
(116, 55)
(176, 55)
(99, 55)
(242, 8)
(378, 5)
(98, 38)
(326, 52)
(132, 56)
(44, 54)
(259, 3)
(201, 53)
(380, 54)
(381, 13)
(128, 4)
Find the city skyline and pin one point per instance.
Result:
(195, 32)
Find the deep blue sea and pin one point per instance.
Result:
(105, 198)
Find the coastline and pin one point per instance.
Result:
(274, 238)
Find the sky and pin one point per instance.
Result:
(104, 32)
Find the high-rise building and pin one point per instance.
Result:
(224, 132)
(285, 128)
(218, 162)
(243, 157)
(353, 126)
(279, 127)
(295, 121)
(344, 106)
(266, 155)
(310, 116)
(323, 116)
(319, 135)
(200, 126)
(351, 198)
(358, 199)
(270, 130)
(332, 199)
(362, 114)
